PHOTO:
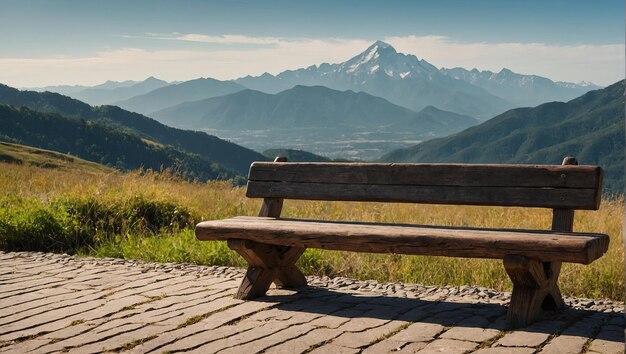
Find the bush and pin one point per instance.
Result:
(35, 228)
(70, 224)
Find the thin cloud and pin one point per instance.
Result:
(233, 57)
(203, 38)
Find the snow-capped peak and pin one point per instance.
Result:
(381, 58)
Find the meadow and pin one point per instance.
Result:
(151, 216)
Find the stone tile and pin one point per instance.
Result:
(362, 339)
(522, 338)
(207, 324)
(606, 347)
(17, 289)
(25, 346)
(385, 346)
(258, 332)
(503, 350)
(412, 348)
(335, 349)
(268, 341)
(418, 332)
(448, 346)
(565, 345)
(472, 334)
(303, 343)
(121, 340)
(87, 338)
(49, 320)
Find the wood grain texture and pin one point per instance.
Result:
(267, 264)
(410, 239)
(563, 219)
(272, 207)
(570, 198)
(535, 290)
(477, 175)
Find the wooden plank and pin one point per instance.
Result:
(561, 176)
(568, 198)
(410, 239)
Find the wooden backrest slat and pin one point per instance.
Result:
(549, 186)
(429, 174)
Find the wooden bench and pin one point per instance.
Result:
(532, 258)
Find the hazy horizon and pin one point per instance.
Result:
(87, 43)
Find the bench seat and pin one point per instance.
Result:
(574, 247)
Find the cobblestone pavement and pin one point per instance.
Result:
(58, 303)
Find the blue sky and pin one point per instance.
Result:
(87, 42)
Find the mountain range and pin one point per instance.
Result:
(175, 94)
(380, 71)
(521, 90)
(402, 79)
(208, 147)
(590, 127)
(99, 95)
(338, 124)
(68, 90)
(312, 107)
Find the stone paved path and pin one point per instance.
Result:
(56, 303)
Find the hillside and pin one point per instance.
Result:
(101, 143)
(30, 156)
(209, 147)
(590, 127)
(172, 95)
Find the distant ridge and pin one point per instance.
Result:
(522, 90)
(101, 143)
(98, 95)
(590, 127)
(175, 94)
(209, 147)
(310, 107)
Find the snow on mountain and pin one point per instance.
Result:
(380, 70)
(522, 90)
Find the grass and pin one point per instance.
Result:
(150, 216)
(28, 155)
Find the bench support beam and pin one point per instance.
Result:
(267, 264)
(535, 289)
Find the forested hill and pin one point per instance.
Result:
(209, 147)
(102, 143)
(590, 127)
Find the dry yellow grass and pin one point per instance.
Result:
(215, 200)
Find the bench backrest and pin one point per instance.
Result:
(547, 186)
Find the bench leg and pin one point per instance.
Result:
(535, 289)
(267, 264)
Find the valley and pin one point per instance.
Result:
(357, 146)
(380, 104)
